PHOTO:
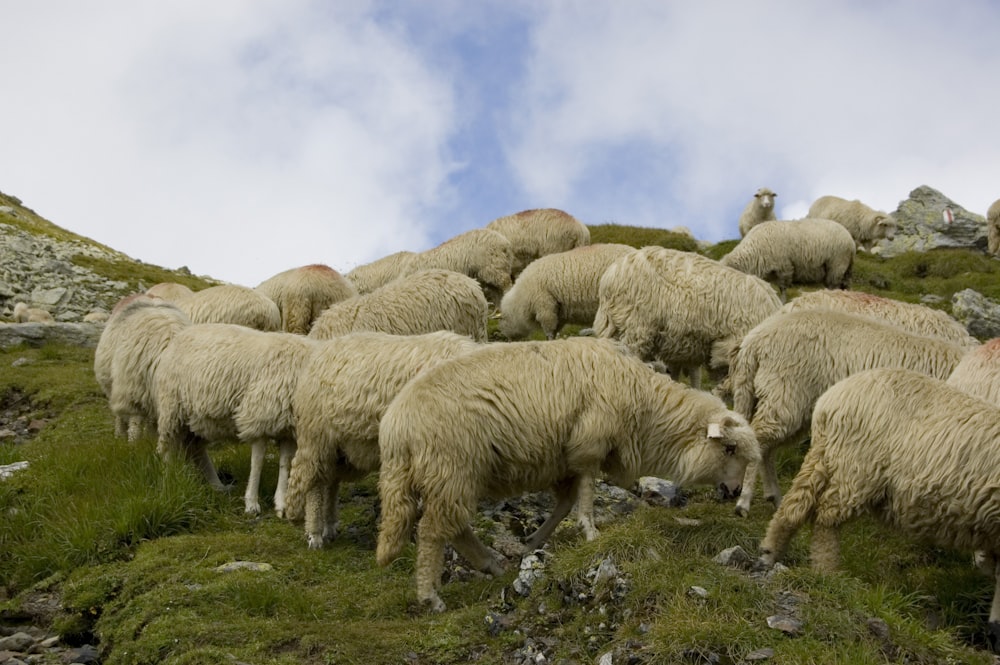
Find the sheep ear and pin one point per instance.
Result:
(714, 431)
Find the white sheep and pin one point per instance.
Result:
(535, 233)
(302, 294)
(127, 354)
(804, 251)
(25, 314)
(370, 276)
(914, 317)
(978, 373)
(907, 448)
(866, 225)
(422, 302)
(172, 291)
(759, 209)
(230, 303)
(483, 254)
(338, 403)
(680, 308)
(557, 289)
(784, 364)
(527, 416)
(993, 229)
(221, 380)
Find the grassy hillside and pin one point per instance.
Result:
(101, 539)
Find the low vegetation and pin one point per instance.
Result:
(127, 551)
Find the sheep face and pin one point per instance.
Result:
(885, 227)
(729, 445)
(765, 198)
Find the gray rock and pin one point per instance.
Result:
(243, 565)
(532, 570)
(735, 557)
(18, 642)
(659, 492)
(786, 624)
(979, 314)
(924, 224)
(39, 334)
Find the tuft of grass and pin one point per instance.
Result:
(638, 236)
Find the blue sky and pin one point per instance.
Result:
(244, 137)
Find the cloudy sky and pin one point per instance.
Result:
(240, 138)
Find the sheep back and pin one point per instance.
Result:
(483, 254)
(978, 373)
(557, 289)
(230, 303)
(302, 294)
(535, 233)
(422, 302)
(369, 276)
(866, 225)
(169, 291)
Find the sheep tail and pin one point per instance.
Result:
(399, 505)
(603, 326)
(742, 372)
(301, 477)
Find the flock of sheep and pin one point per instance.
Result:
(389, 368)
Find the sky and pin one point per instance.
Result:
(241, 138)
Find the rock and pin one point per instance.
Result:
(698, 592)
(85, 655)
(39, 334)
(735, 557)
(7, 470)
(659, 492)
(759, 654)
(925, 224)
(18, 642)
(532, 570)
(243, 565)
(979, 314)
(786, 624)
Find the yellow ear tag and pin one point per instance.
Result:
(714, 431)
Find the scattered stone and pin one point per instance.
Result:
(786, 624)
(532, 570)
(8, 470)
(607, 658)
(84, 655)
(698, 592)
(979, 314)
(18, 642)
(923, 225)
(759, 654)
(659, 492)
(243, 565)
(734, 557)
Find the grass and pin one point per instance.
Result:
(131, 548)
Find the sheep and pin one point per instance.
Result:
(370, 276)
(866, 225)
(224, 380)
(423, 302)
(908, 448)
(96, 316)
(25, 314)
(230, 303)
(338, 403)
(916, 318)
(803, 251)
(483, 254)
(127, 355)
(525, 416)
(302, 294)
(557, 289)
(535, 233)
(993, 229)
(172, 291)
(759, 209)
(681, 308)
(978, 373)
(784, 364)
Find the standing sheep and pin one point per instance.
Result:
(338, 403)
(993, 229)
(759, 209)
(535, 233)
(221, 380)
(681, 308)
(302, 294)
(804, 251)
(908, 448)
(25, 314)
(482, 254)
(916, 318)
(230, 303)
(370, 276)
(558, 289)
(785, 363)
(978, 373)
(867, 226)
(128, 351)
(529, 416)
(422, 302)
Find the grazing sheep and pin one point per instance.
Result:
(558, 289)
(993, 229)
(978, 373)
(908, 448)
(422, 302)
(526, 416)
(96, 316)
(785, 363)
(803, 251)
(680, 308)
(370, 276)
(482, 254)
(302, 294)
(127, 354)
(229, 303)
(169, 291)
(222, 380)
(25, 314)
(535, 233)
(916, 318)
(338, 403)
(867, 226)
(759, 209)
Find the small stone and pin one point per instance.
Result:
(786, 624)
(607, 658)
(735, 557)
(243, 565)
(18, 642)
(698, 591)
(84, 655)
(760, 654)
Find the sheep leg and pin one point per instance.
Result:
(430, 565)
(993, 625)
(135, 428)
(470, 547)
(120, 430)
(286, 453)
(585, 505)
(321, 514)
(565, 498)
(251, 498)
(746, 492)
(824, 552)
(769, 478)
(197, 453)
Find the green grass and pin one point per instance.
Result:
(131, 547)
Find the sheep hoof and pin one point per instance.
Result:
(252, 508)
(434, 604)
(741, 511)
(315, 542)
(993, 634)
